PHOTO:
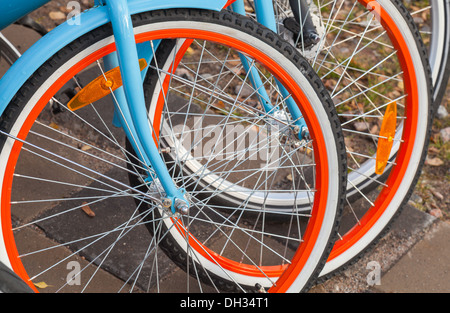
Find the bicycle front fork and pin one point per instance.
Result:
(131, 112)
(265, 15)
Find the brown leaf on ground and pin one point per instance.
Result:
(434, 162)
(86, 209)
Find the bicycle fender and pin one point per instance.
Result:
(67, 32)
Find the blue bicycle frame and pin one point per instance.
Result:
(130, 108)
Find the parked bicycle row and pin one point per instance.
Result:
(256, 146)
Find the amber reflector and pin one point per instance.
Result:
(99, 88)
(386, 140)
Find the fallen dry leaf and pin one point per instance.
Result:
(85, 148)
(41, 285)
(437, 194)
(86, 209)
(434, 162)
(57, 15)
(433, 150)
(190, 50)
(436, 213)
(54, 125)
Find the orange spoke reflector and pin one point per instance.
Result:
(99, 88)
(387, 134)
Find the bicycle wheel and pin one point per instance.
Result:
(432, 18)
(68, 209)
(371, 59)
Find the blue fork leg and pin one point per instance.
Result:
(266, 16)
(127, 56)
(238, 7)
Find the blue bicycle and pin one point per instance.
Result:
(239, 175)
